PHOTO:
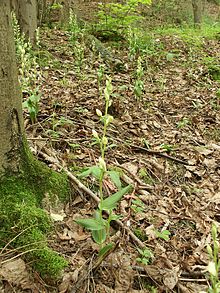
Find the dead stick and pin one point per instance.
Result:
(156, 153)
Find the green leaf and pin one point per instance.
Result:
(110, 202)
(96, 171)
(163, 235)
(99, 236)
(115, 177)
(85, 173)
(105, 249)
(91, 224)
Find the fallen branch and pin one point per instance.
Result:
(156, 153)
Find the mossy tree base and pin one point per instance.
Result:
(23, 221)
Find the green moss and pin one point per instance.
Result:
(49, 261)
(23, 221)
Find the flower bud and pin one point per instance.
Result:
(212, 269)
(107, 96)
(95, 134)
(214, 230)
(105, 140)
(209, 250)
(109, 119)
(102, 164)
(98, 112)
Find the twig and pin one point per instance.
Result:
(193, 280)
(156, 153)
(160, 154)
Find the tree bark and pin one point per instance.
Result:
(41, 11)
(26, 12)
(65, 11)
(11, 130)
(197, 12)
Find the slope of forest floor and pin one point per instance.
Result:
(167, 142)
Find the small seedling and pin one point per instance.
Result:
(146, 176)
(56, 123)
(146, 256)
(140, 234)
(183, 122)
(167, 147)
(138, 206)
(165, 234)
(170, 56)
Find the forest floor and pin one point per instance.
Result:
(167, 144)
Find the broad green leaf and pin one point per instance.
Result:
(111, 202)
(99, 236)
(85, 173)
(96, 171)
(115, 177)
(91, 224)
(105, 249)
(98, 217)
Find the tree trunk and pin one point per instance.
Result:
(41, 11)
(197, 12)
(65, 12)
(26, 12)
(11, 130)
(23, 180)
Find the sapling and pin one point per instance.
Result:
(99, 225)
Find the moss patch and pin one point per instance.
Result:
(23, 221)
